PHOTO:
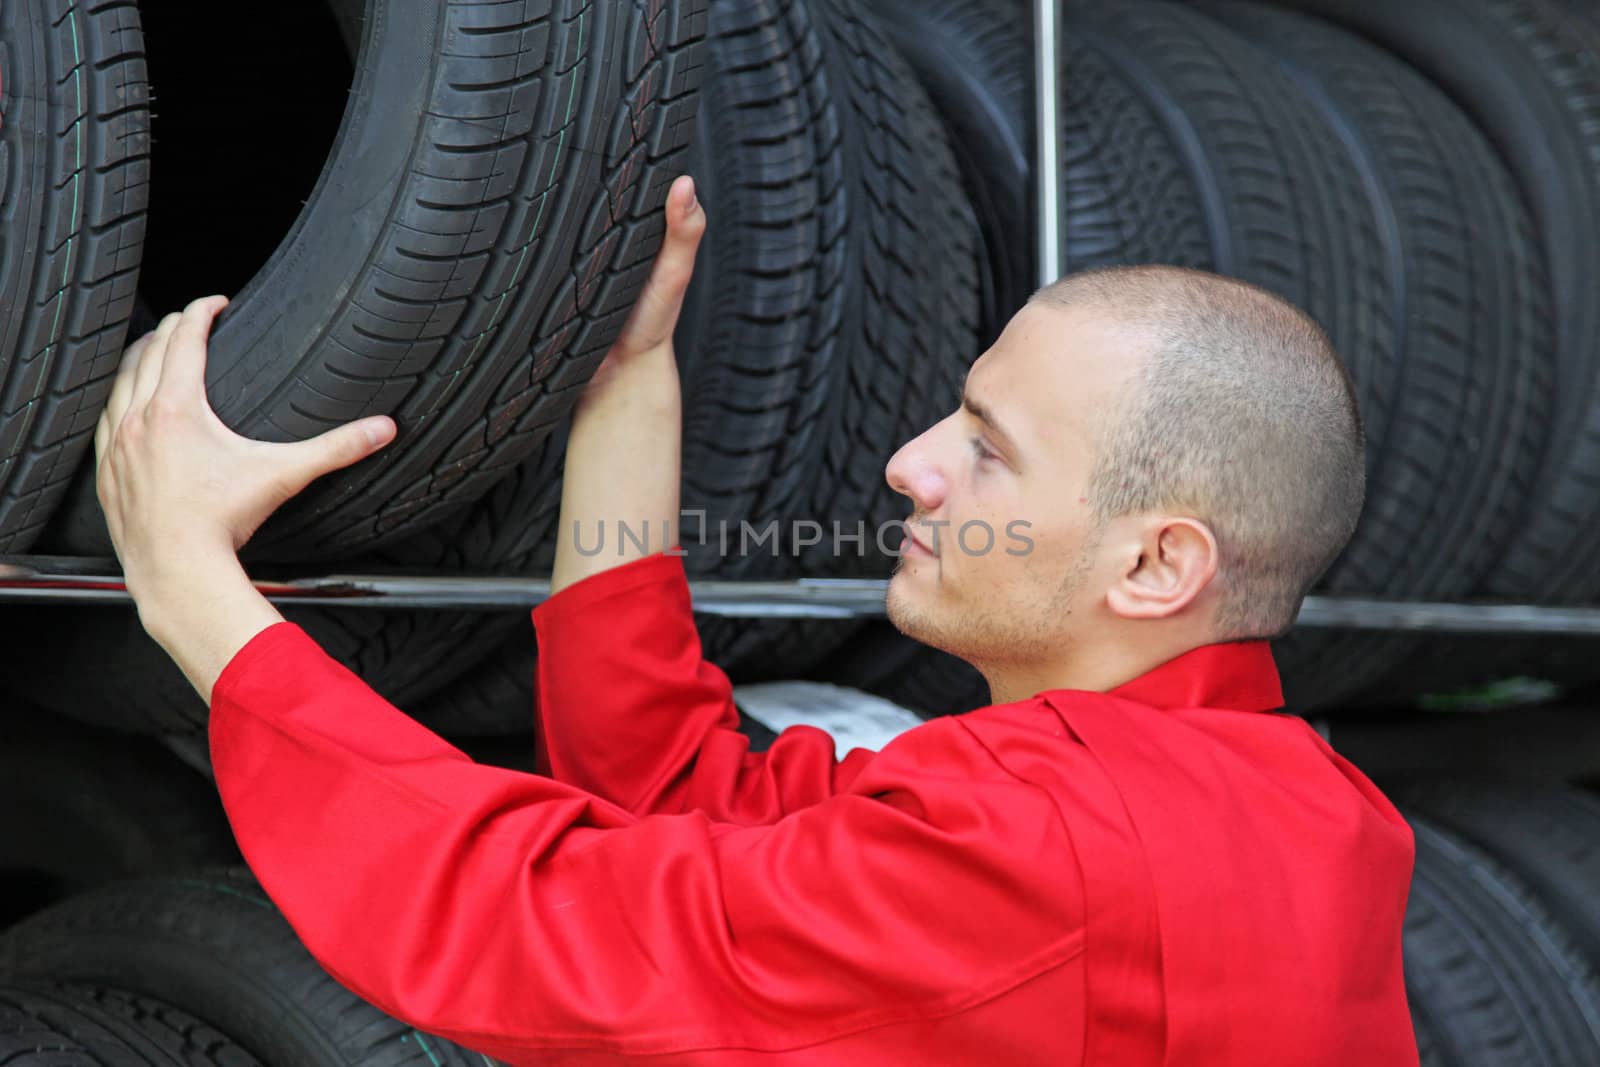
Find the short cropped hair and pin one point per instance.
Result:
(1241, 415)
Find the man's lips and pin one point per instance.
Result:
(911, 546)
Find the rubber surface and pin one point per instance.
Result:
(182, 940)
(62, 1025)
(1183, 144)
(467, 256)
(1548, 834)
(98, 665)
(762, 344)
(912, 320)
(975, 59)
(1490, 976)
(74, 173)
(80, 807)
(1455, 440)
(1529, 76)
(763, 340)
(882, 660)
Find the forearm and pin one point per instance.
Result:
(622, 470)
(202, 614)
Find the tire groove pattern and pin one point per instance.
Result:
(1490, 976)
(551, 228)
(911, 257)
(52, 1024)
(1529, 75)
(73, 190)
(181, 939)
(786, 371)
(1455, 439)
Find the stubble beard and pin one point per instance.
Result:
(1027, 628)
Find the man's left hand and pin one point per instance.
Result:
(182, 493)
(177, 486)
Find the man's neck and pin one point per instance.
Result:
(1097, 668)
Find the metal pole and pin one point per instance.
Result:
(1045, 19)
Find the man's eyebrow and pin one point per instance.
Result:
(985, 416)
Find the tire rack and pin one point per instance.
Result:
(35, 578)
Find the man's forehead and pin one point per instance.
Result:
(1053, 368)
(1082, 339)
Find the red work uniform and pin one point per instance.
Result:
(1169, 873)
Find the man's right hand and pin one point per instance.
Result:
(624, 452)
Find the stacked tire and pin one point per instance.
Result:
(1501, 932)
(197, 970)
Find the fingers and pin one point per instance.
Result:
(121, 397)
(655, 315)
(686, 224)
(299, 463)
(121, 391)
(183, 370)
(147, 371)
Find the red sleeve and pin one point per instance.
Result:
(515, 913)
(628, 709)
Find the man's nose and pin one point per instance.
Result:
(913, 472)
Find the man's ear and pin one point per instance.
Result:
(1177, 559)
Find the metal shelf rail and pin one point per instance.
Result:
(54, 579)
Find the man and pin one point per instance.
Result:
(1130, 858)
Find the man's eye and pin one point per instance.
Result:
(982, 452)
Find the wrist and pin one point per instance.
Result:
(167, 589)
(641, 383)
(203, 621)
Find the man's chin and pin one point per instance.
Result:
(906, 612)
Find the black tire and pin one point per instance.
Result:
(464, 276)
(1584, 9)
(772, 320)
(79, 808)
(760, 359)
(975, 59)
(1530, 78)
(97, 664)
(1429, 1051)
(918, 306)
(216, 948)
(882, 660)
(1126, 192)
(1455, 446)
(912, 264)
(74, 178)
(908, 261)
(1489, 975)
(494, 699)
(1462, 432)
(1549, 835)
(57, 1025)
(1318, 167)
(1184, 144)
(762, 342)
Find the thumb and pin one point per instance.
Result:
(339, 447)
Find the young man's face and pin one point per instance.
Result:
(1002, 484)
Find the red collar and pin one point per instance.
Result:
(1236, 674)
